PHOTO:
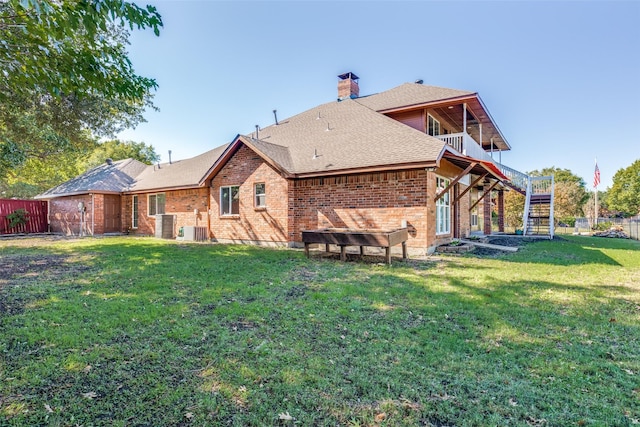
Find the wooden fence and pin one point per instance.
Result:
(37, 210)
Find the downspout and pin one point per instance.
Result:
(93, 214)
(48, 217)
(209, 210)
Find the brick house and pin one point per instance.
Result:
(414, 156)
(126, 196)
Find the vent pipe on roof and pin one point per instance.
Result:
(275, 116)
(419, 81)
(169, 156)
(257, 129)
(109, 161)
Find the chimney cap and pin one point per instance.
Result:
(348, 75)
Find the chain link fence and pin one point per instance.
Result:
(631, 226)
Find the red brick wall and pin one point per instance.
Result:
(253, 224)
(375, 200)
(64, 216)
(98, 212)
(180, 203)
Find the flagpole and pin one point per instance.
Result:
(596, 220)
(596, 182)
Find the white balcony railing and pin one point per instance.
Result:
(516, 177)
(463, 143)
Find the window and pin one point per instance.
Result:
(261, 197)
(156, 204)
(474, 219)
(443, 208)
(134, 211)
(433, 126)
(230, 200)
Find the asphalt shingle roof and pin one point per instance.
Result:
(131, 176)
(106, 178)
(336, 136)
(343, 135)
(410, 94)
(180, 173)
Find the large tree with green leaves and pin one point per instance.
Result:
(624, 194)
(38, 174)
(66, 78)
(118, 150)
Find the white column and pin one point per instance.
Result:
(464, 117)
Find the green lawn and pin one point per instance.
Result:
(144, 332)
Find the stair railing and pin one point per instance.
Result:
(527, 206)
(552, 225)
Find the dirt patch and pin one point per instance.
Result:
(18, 269)
(510, 241)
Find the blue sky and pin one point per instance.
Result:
(561, 79)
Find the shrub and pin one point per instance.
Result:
(17, 218)
(603, 226)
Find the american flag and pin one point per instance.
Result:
(596, 177)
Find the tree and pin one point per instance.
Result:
(119, 150)
(559, 175)
(624, 194)
(38, 174)
(66, 76)
(513, 208)
(568, 201)
(72, 47)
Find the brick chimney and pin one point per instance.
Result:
(348, 86)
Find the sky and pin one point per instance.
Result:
(560, 79)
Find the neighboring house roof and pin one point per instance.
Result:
(106, 178)
(178, 174)
(409, 94)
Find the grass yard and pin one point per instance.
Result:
(144, 332)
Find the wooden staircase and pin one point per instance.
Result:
(537, 218)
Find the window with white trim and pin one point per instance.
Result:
(443, 207)
(433, 126)
(230, 200)
(260, 190)
(156, 204)
(134, 211)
